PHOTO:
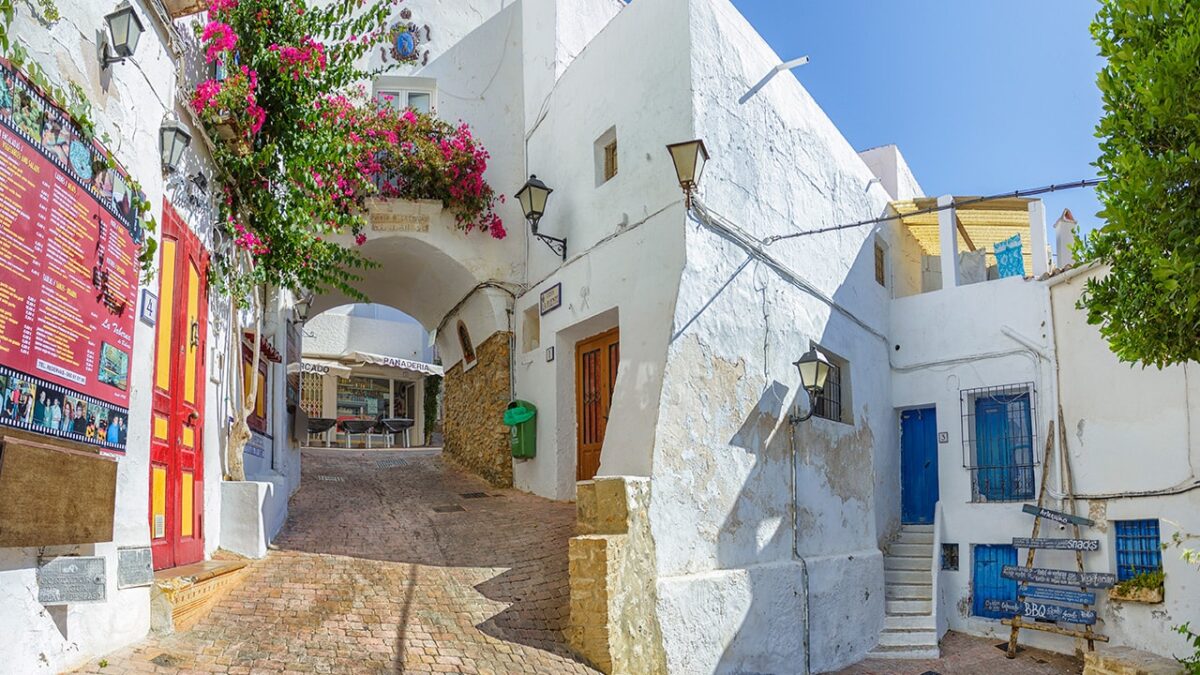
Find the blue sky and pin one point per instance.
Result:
(981, 96)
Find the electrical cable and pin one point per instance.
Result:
(1029, 192)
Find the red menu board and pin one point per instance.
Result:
(69, 241)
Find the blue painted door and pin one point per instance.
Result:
(986, 581)
(1003, 446)
(918, 465)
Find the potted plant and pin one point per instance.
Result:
(1146, 587)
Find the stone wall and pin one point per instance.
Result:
(1127, 661)
(475, 400)
(614, 623)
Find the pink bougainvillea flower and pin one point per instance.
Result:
(220, 38)
(360, 239)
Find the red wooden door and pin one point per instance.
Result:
(596, 360)
(176, 433)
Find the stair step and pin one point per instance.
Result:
(882, 652)
(899, 562)
(908, 607)
(908, 537)
(911, 550)
(917, 528)
(908, 638)
(917, 576)
(909, 591)
(181, 596)
(910, 622)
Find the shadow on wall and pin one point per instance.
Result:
(832, 517)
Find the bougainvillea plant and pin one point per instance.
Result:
(305, 146)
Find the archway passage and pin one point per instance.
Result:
(391, 561)
(439, 279)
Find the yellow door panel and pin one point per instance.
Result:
(166, 310)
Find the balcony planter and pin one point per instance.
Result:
(181, 8)
(229, 131)
(1142, 594)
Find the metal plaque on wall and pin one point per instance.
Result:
(71, 579)
(134, 567)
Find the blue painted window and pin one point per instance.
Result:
(986, 581)
(1003, 439)
(1139, 548)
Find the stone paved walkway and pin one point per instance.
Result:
(373, 575)
(965, 655)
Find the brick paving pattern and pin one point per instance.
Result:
(965, 655)
(371, 575)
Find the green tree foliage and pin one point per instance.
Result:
(1148, 305)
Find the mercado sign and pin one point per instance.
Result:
(69, 239)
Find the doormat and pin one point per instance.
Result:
(335, 479)
(391, 463)
(448, 508)
(473, 495)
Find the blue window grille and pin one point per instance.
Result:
(1139, 548)
(998, 437)
(986, 581)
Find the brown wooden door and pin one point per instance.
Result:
(176, 452)
(596, 360)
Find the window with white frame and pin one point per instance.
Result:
(418, 93)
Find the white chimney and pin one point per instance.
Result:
(1064, 238)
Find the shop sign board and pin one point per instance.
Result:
(1042, 575)
(1041, 610)
(69, 242)
(1057, 544)
(1058, 595)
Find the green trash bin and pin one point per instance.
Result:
(521, 418)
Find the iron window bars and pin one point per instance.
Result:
(1139, 548)
(829, 401)
(999, 429)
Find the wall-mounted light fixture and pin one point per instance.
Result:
(814, 369)
(301, 307)
(689, 158)
(533, 197)
(124, 31)
(173, 139)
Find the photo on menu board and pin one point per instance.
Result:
(47, 412)
(57, 136)
(19, 397)
(114, 366)
(7, 84)
(75, 419)
(29, 110)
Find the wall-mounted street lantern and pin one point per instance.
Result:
(689, 158)
(301, 307)
(814, 369)
(124, 30)
(533, 197)
(173, 139)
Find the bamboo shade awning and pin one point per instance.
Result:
(986, 224)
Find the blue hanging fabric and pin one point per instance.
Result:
(1009, 262)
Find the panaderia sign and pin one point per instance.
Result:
(69, 239)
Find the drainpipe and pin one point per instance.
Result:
(796, 545)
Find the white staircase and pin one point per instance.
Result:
(910, 627)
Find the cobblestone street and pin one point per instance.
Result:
(391, 561)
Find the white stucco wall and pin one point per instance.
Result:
(624, 238)
(373, 329)
(721, 508)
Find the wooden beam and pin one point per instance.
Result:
(1051, 628)
(962, 229)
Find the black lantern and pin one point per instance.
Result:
(173, 139)
(124, 29)
(533, 195)
(689, 158)
(814, 370)
(301, 307)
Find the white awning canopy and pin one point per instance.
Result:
(320, 367)
(417, 367)
(343, 365)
